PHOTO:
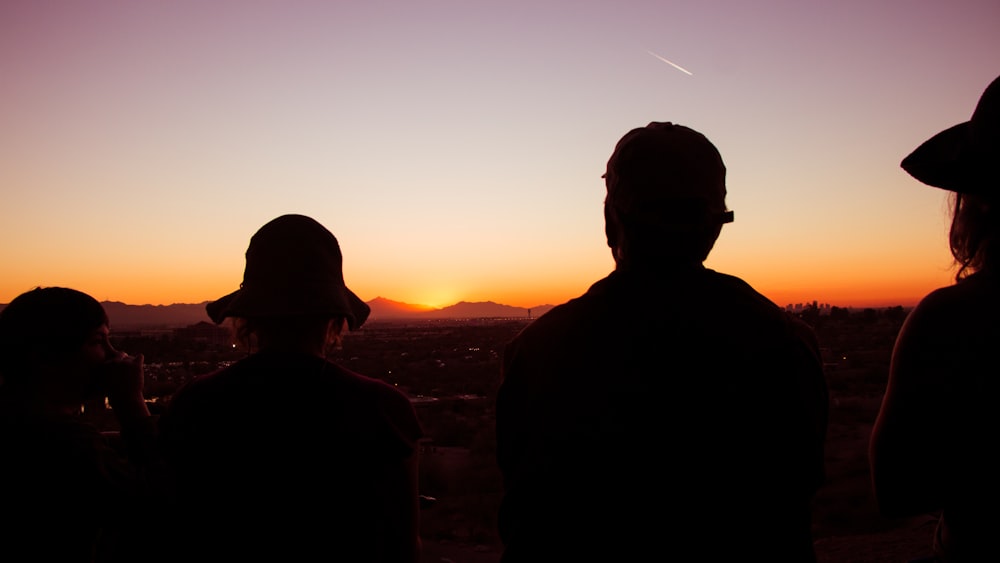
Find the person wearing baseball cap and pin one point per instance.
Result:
(933, 447)
(286, 455)
(670, 409)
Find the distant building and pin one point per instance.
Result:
(205, 332)
(150, 333)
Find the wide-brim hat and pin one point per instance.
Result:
(294, 267)
(963, 158)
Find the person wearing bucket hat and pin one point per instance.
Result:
(293, 267)
(285, 455)
(933, 446)
(705, 401)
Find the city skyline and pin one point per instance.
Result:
(456, 148)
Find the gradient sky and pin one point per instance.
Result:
(455, 147)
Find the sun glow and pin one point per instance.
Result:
(440, 298)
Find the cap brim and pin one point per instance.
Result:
(218, 310)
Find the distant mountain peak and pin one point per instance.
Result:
(125, 316)
(384, 309)
(384, 303)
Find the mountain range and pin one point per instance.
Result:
(124, 316)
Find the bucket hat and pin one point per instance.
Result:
(293, 267)
(964, 157)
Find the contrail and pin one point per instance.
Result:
(678, 67)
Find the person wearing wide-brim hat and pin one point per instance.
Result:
(286, 455)
(933, 448)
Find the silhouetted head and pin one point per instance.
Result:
(666, 195)
(293, 276)
(964, 159)
(52, 337)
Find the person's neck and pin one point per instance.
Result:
(292, 349)
(657, 265)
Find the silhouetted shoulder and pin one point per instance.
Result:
(286, 390)
(978, 292)
(959, 313)
(629, 298)
(743, 292)
(274, 370)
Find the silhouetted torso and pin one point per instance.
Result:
(281, 455)
(935, 448)
(662, 411)
(972, 421)
(63, 487)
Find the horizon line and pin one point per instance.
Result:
(906, 304)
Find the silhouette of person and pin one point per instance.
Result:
(284, 455)
(933, 448)
(65, 487)
(670, 408)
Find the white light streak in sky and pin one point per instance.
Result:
(678, 67)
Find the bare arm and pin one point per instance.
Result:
(123, 382)
(908, 448)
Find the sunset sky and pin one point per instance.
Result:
(455, 147)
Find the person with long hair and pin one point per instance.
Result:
(933, 448)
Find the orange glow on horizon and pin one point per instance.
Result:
(782, 295)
